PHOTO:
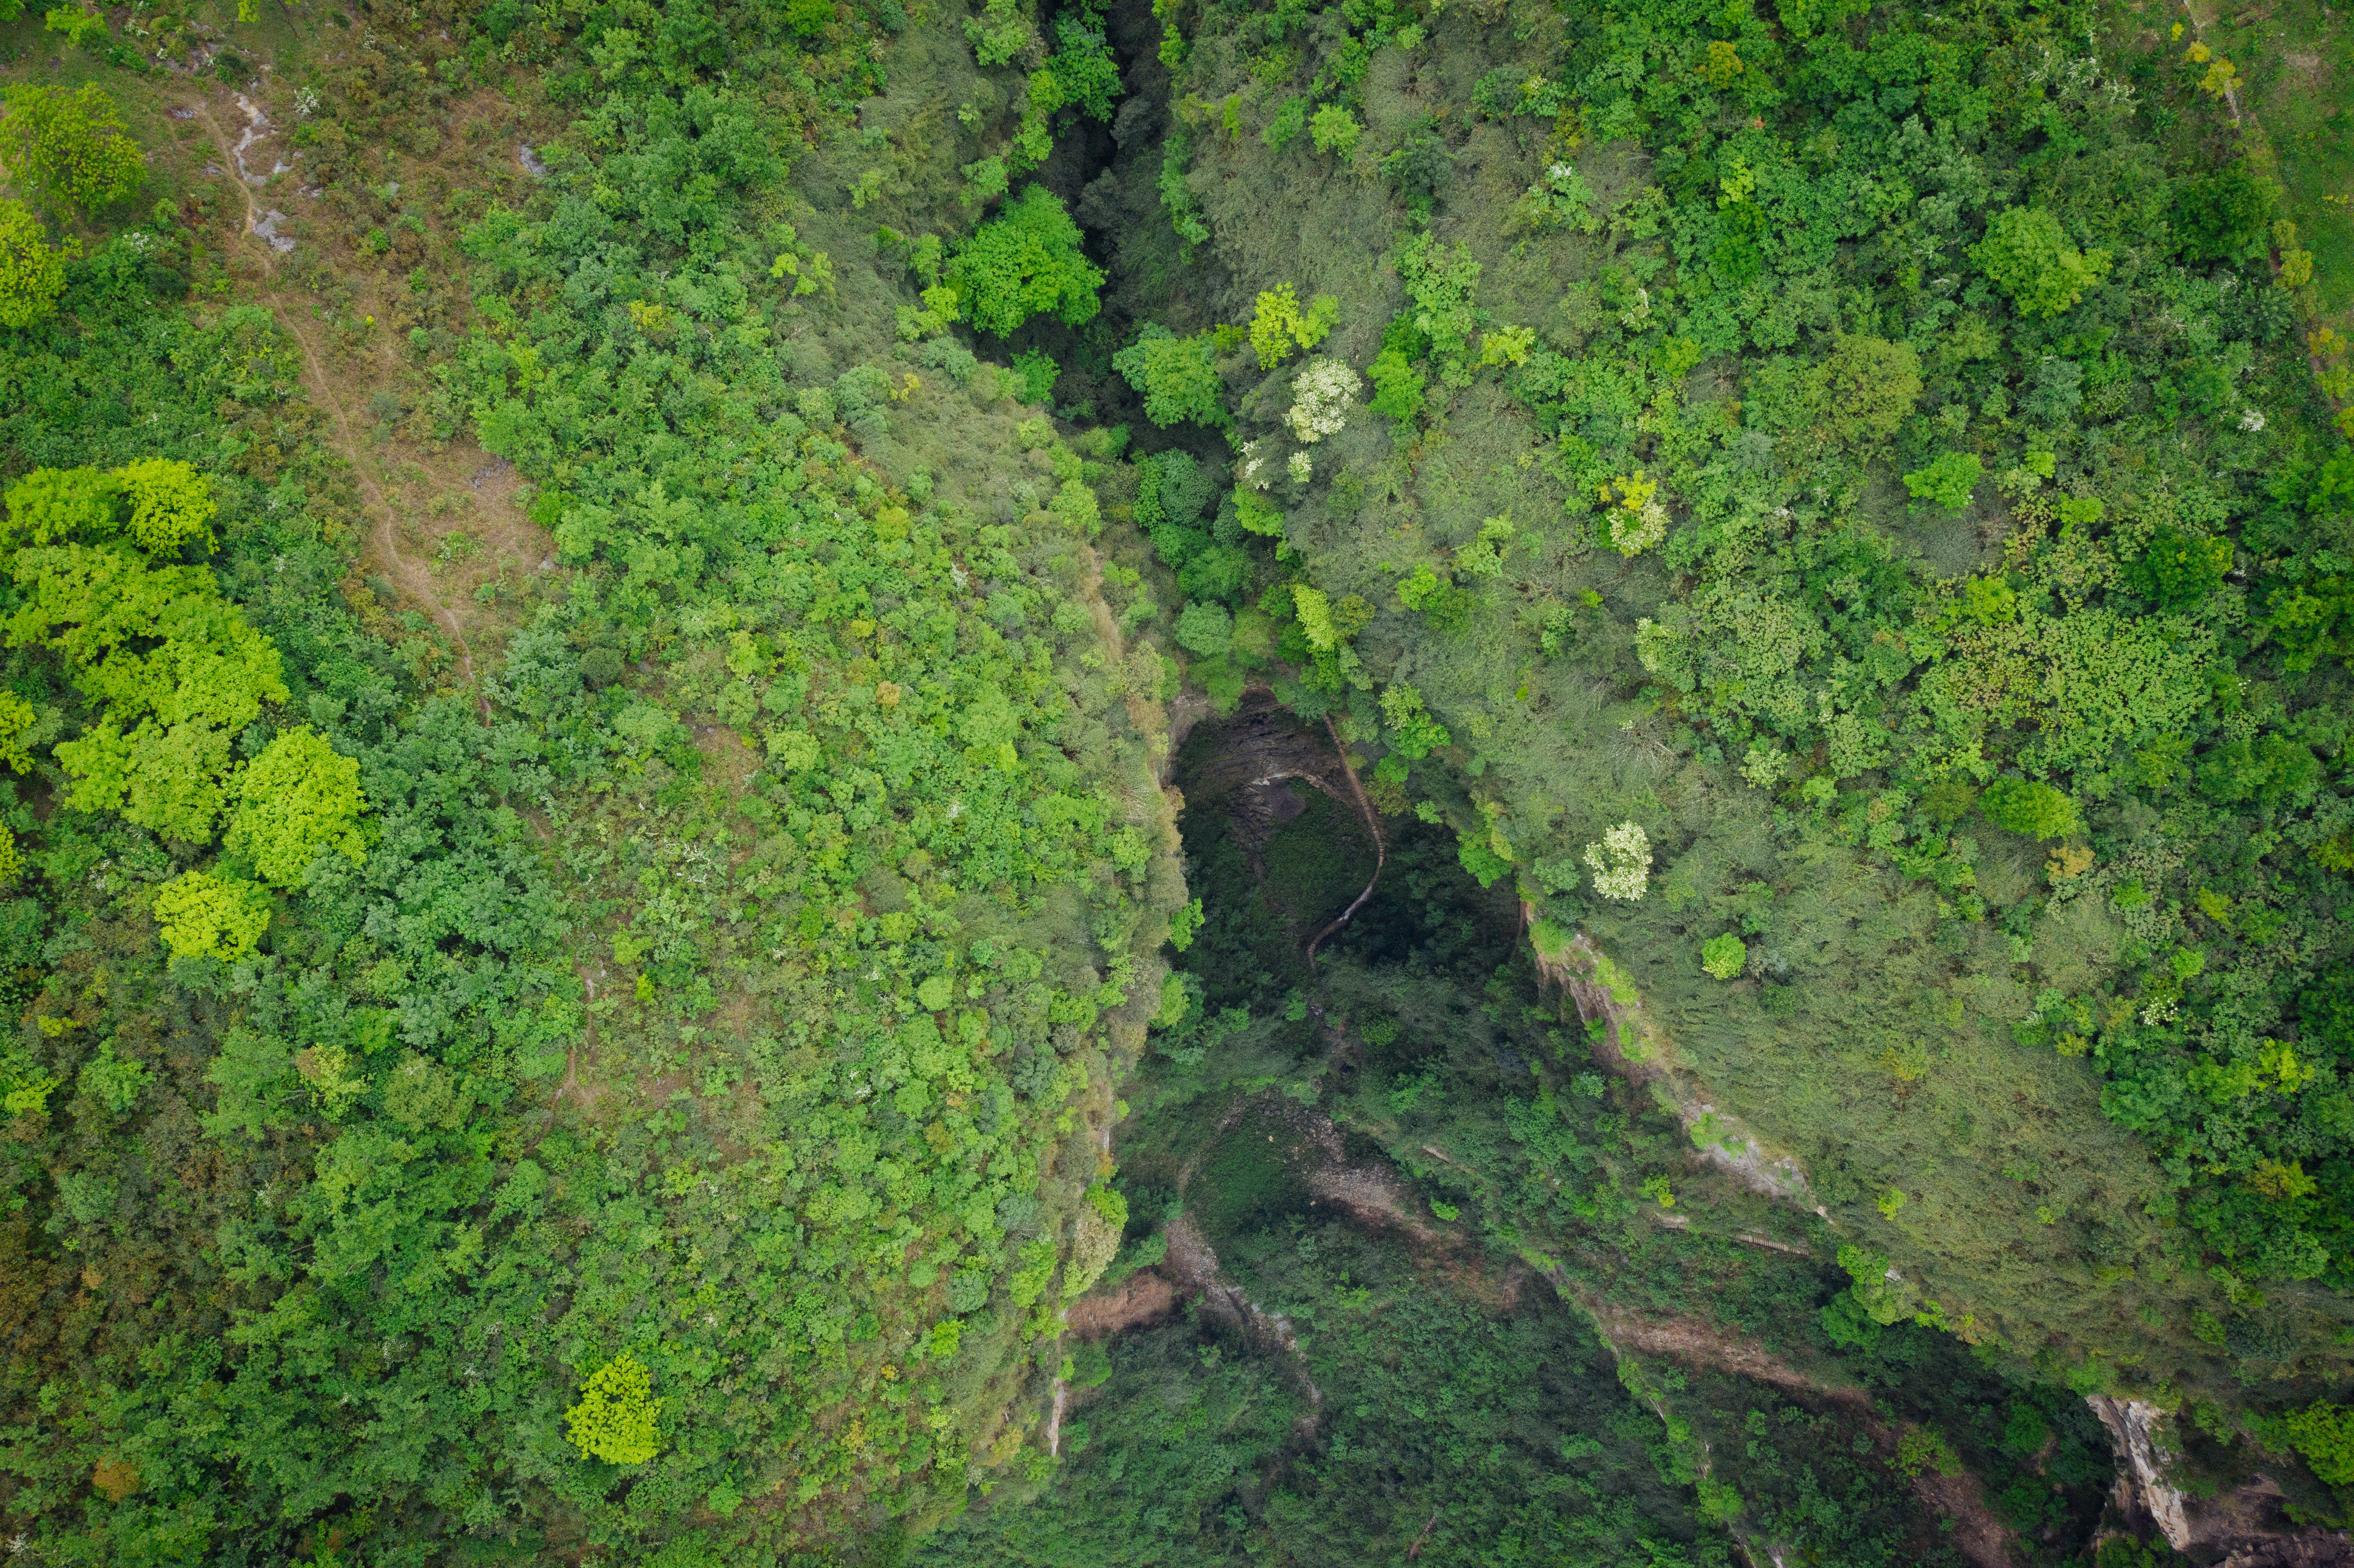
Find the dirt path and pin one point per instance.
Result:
(1195, 1267)
(1981, 1537)
(1373, 826)
(410, 575)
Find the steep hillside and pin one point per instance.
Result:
(611, 614)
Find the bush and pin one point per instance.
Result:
(1026, 261)
(2027, 256)
(1724, 956)
(2022, 806)
(1947, 480)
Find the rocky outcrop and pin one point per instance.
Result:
(2143, 1494)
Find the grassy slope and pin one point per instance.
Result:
(374, 298)
(1887, 1063)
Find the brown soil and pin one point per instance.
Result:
(1980, 1536)
(1144, 1300)
(443, 521)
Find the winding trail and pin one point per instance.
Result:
(411, 575)
(1373, 826)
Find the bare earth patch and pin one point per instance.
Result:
(1145, 1299)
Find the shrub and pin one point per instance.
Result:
(2027, 256)
(1946, 479)
(2023, 806)
(1026, 261)
(616, 1418)
(32, 272)
(1724, 956)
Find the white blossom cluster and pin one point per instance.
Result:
(1322, 388)
(1253, 460)
(1632, 533)
(1621, 862)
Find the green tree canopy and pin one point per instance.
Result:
(616, 1418)
(2027, 255)
(1177, 377)
(299, 800)
(1946, 479)
(204, 916)
(1026, 261)
(175, 671)
(32, 270)
(2024, 806)
(69, 146)
(1867, 386)
(171, 505)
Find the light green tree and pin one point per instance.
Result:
(1865, 388)
(2027, 255)
(202, 916)
(1177, 377)
(1026, 261)
(175, 671)
(171, 503)
(1724, 956)
(617, 1418)
(18, 718)
(1946, 479)
(32, 270)
(2324, 1433)
(1334, 130)
(69, 146)
(300, 800)
(2024, 806)
(51, 505)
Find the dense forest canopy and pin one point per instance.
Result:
(1050, 783)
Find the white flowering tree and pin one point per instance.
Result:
(1621, 862)
(1321, 394)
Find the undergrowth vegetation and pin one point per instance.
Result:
(596, 598)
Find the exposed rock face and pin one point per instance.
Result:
(2242, 1528)
(2142, 1490)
